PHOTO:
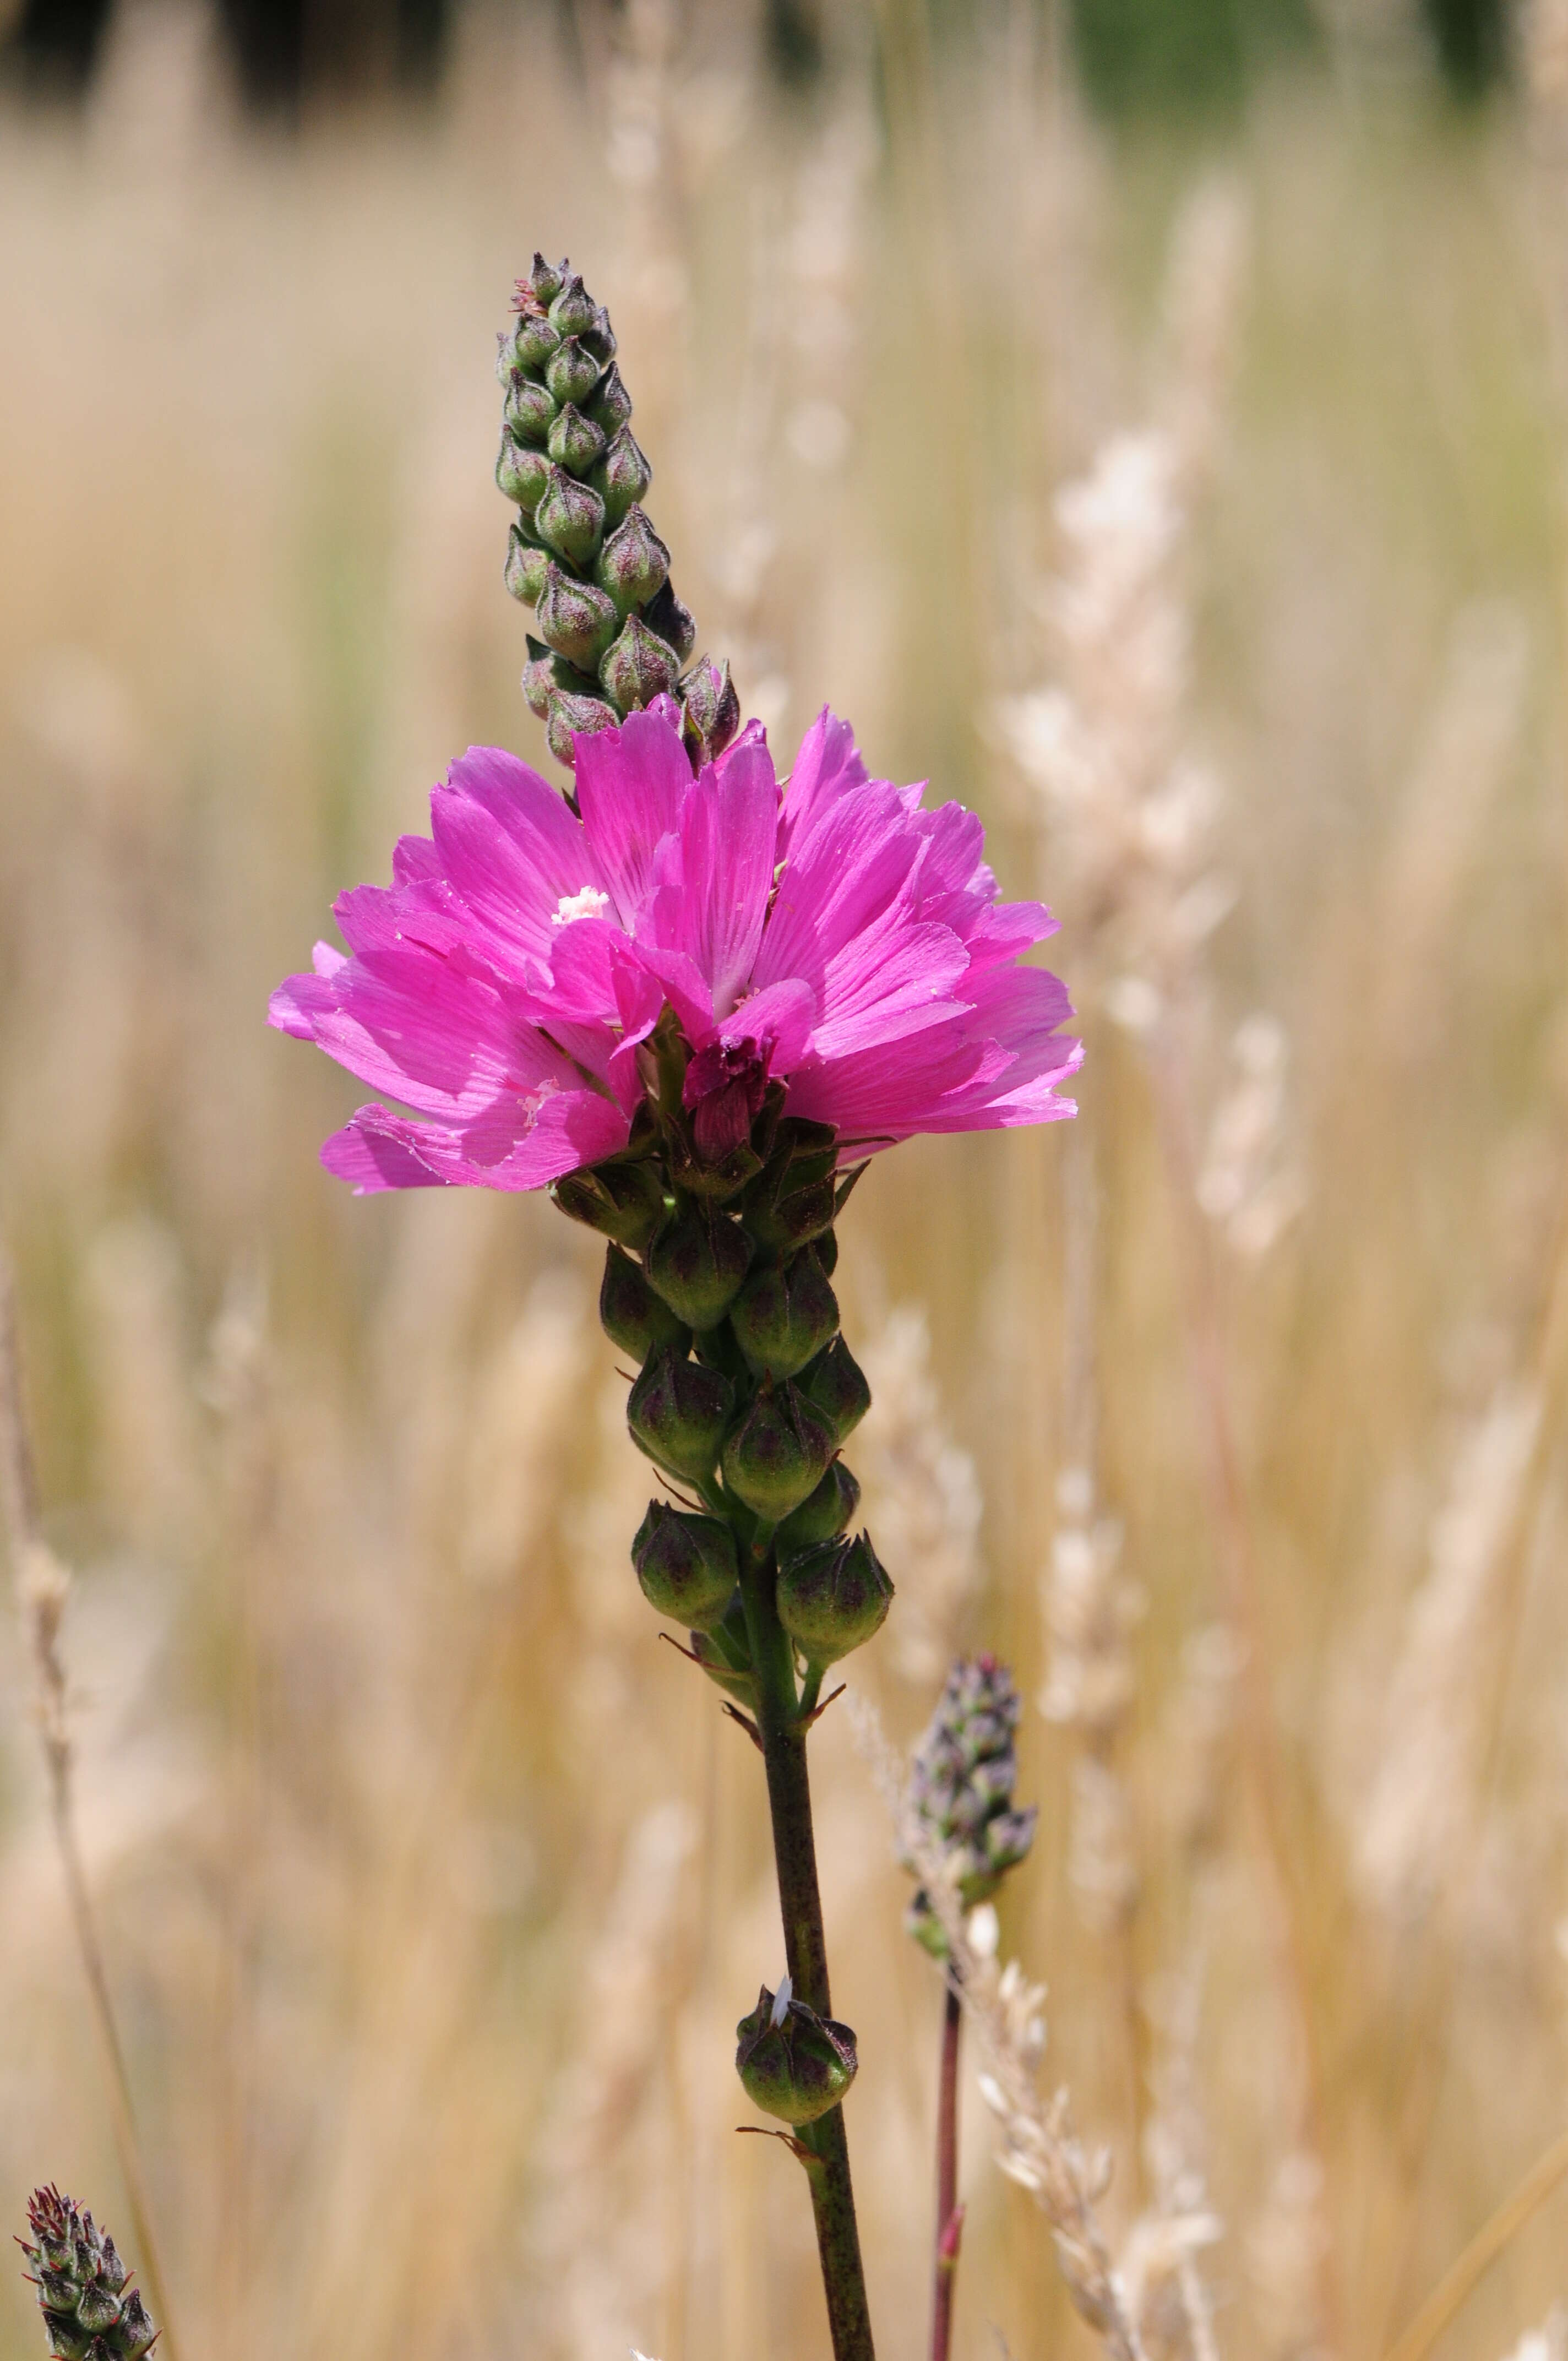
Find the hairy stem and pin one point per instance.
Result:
(949, 2213)
(805, 1952)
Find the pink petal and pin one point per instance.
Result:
(512, 850)
(631, 783)
(714, 913)
(827, 765)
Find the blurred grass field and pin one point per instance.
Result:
(431, 1884)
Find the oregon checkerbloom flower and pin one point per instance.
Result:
(830, 935)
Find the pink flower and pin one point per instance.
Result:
(832, 935)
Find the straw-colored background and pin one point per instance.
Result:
(430, 1885)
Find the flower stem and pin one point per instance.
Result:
(806, 1950)
(949, 2213)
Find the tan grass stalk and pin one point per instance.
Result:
(921, 1496)
(1469, 2268)
(43, 1586)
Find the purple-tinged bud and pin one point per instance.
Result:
(961, 1790)
(623, 475)
(574, 441)
(833, 1598)
(678, 1411)
(784, 1315)
(600, 338)
(793, 2063)
(574, 618)
(530, 412)
(632, 1315)
(792, 1200)
(571, 372)
(725, 1654)
(696, 1264)
(623, 1201)
(1008, 1838)
(826, 1246)
(90, 2309)
(533, 341)
(634, 563)
(639, 667)
(777, 1453)
(686, 1566)
(822, 1518)
(522, 475)
(568, 718)
(572, 308)
(538, 675)
(611, 405)
(711, 710)
(527, 566)
(675, 623)
(545, 281)
(835, 1387)
(569, 517)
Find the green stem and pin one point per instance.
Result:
(806, 1950)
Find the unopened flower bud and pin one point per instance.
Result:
(639, 667)
(623, 475)
(572, 308)
(711, 710)
(90, 2311)
(836, 1386)
(530, 411)
(686, 1566)
(678, 1411)
(600, 338)
(526, 567)
(522, 475)
(623, 1201)
(961, 1790)
(569, 517)
(784, 1315)
(1008, 1838)
(777, 1453)
(574, 618)
(634, 563)
(833, 1598)
(696, 1263)
(545, 280)
(533, 341)
(793, 2063)
(824, 1516)
(574, 441)
(611, 405)
(675, 624)
(569, 718)
(632, 1315)
(538, 678)
(724, 1653)
(571, 372)
(792, 1200)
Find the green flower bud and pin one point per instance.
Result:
(711, 710)
(675, 624)
(533, 341)
(632, 1315)
(623, 1201)
(777, 1453)
(574, 618)
(696, 1263)
(724, 1653)
(623, 475)
(960, 1790)
(1007, 1837)
(611, 405)
(569, 517)
(826, 1246)
(572, 308)
(634, 563)
(545, 280)
(793, 2063)
(526, 566)
(639, 667)
(835, 1385)
(833, 1598)
(538, 678)
(686, 1565)
(792, 1201)
(530, 412)
(678, 1411)
(574, 441)
(91, 2311)
(568, 718)
(600, 338)
(784, 1315)
(571, 372)
(520, 474)
(824, 1516)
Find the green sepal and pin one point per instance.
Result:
(632, 1315)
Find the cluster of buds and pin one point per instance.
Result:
(718, 1285)
(612, 633)
(90, 2311)
(793, 2063)
(962, 1791)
